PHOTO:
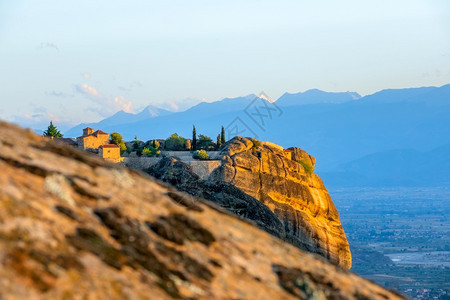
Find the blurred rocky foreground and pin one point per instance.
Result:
(75, 227)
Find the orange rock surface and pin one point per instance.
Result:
(73, 226)
(284, 181)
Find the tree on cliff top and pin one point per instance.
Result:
(52, 131)
(194, 138)
(205, 142)
(218, 142)
(175, 143)
(222, 136)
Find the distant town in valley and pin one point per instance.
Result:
(399, 236)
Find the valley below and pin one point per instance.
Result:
(399, 237)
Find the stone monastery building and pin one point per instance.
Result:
(110, 152)
(99, 141)
(92, 139)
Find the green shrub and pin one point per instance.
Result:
(205, 142)
(200, 154)
(155, 144)
(256, 143)
(308, 168)
(138, 146)
(150, 152)
(175, 143)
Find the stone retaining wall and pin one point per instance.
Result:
(140, 163)
(202, 168)
(187, 154)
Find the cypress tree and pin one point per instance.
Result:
(219, 141)
(194, 138)
(222, 136)
(52, 131)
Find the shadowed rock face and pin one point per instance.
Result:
(275, 189)
(179, 174)
(75, 227)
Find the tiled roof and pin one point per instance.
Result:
(100, 132)
(96, 133)
(109, 146)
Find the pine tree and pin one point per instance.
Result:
(52, 131)
(194, 138)
(222, 136)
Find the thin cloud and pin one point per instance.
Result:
(180, 105)
(88, 91)
(131, 87)
(35, 119)
(49, 45)
(108, 105)
(120, 103)
(40, 110)
(57, 94)
(39, 121)
(124, 89)
(86, 75)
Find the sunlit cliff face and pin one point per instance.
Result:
(284, 181)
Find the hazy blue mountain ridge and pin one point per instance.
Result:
(408, 122)
(316, 96)
(120, 118)
(394, 168)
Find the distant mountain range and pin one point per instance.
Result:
(163, 122)
(316, 96)
(120, 118)
(347, 133)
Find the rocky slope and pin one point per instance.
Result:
(273, 187)
(75, 227)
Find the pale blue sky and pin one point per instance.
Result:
(83, 61)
